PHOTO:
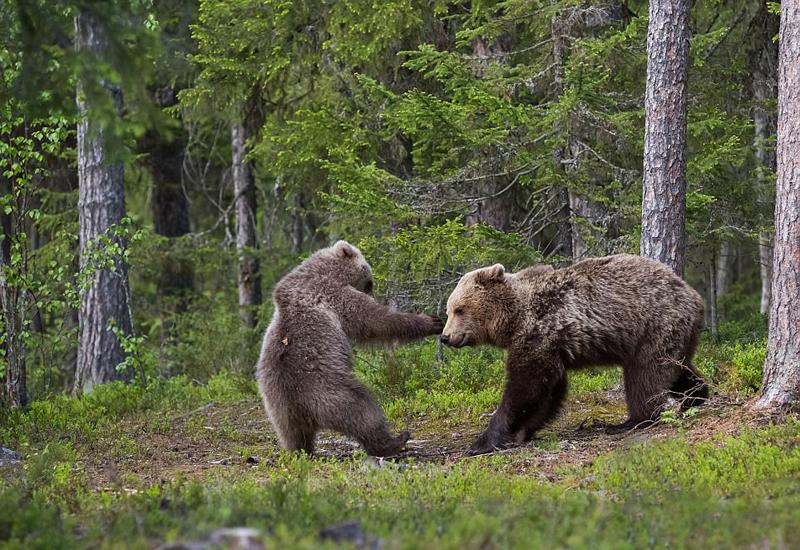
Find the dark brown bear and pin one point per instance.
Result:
(305, 372)
(620, 309)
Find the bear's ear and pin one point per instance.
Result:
(344, 249)
(494, 274)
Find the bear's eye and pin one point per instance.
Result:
(458, 311)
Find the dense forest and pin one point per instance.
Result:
(164, 163)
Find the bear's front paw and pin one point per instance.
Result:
(436, 325)
(486, 443)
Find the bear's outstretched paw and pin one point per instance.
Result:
(437, 325)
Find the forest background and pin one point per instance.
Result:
(164, 163)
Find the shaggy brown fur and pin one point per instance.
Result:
(305, 372)
(620, 309)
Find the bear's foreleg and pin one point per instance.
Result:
(535, 387)
(535, 422)
(366, 320)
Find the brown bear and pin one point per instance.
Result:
(305, 372)
(619, 309)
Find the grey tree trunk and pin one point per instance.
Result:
(782, 366)
(589, 227)
(101, 205)
(12, 316)
(664, 185)
(713, 293)
(765, 92)
(561, 193)
(245, 191)
(726, 268)
(494, 199)
(298, 223)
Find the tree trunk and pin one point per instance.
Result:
(12, 311)
(713, 293)
(765, 81)
(782, 366)
(493, 204)
(664, 185)
(587, 216)
(297, 223)
(101, 205)
(169, 206)
(726, 268)
(245, 190)
(561, 192)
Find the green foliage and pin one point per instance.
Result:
(425, 263)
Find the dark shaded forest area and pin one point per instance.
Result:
(164, 163)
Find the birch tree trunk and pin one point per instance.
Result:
(12, 316)
(664, 185)
(101, 205)
(782, 366)
(764, 70)
(726, 268)
(244, 188)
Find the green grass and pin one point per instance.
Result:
(732, 492)
(670, 490)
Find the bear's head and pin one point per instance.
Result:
(349, 266)
(479, 308)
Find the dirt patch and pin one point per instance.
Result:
(233, 438)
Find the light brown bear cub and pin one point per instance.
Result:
(305, 372)
(619, 309)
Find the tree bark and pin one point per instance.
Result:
(561, 192)
(726, 268)
(782, 366)
(297, 222)
(713, 293)
(588, 228)
(494, 203)
(765, 81)
(12, 311)
(245, 190)
(169, 205)
(101, 205)
(664, 185)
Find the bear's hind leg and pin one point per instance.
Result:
(647, 381)
(357, 414)
(299, 439)
(294, 431)
(689, 388)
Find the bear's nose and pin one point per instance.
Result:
(445, 339)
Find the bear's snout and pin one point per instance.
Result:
(457, 341)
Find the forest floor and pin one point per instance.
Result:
(237, 436)
(132, 470)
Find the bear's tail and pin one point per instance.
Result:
(689, 388)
